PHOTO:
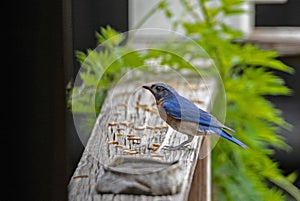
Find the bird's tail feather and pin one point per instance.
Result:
(227, 136)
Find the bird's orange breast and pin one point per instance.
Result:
(186, 127)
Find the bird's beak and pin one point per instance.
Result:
(147, 87)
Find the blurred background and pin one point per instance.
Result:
(45, 34)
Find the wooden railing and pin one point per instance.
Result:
(129, 125)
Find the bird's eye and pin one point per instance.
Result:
(159, 88)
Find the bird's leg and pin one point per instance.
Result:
(180, 146)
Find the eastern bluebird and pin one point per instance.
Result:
(185, 117)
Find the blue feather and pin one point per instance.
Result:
(227, 136)
(173, 105)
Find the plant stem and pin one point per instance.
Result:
(217, 56)
(205, 13)
(190, 10)
(291, 189)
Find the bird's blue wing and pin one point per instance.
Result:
(183, 109)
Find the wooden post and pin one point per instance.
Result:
(201, 184)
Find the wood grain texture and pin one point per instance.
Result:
(201, 184)
(129, 124)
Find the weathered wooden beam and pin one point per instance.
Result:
(201, 184)
(129, 125)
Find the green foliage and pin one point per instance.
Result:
(100, 69)
(247, 74)
(247, 78)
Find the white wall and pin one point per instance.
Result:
(138, 8)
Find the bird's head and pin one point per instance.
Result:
(161, 90)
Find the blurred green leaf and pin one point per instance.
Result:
(109, 37)
(292, 177)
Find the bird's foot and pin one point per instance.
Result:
(183, 146)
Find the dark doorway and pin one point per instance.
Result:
(45, 35)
